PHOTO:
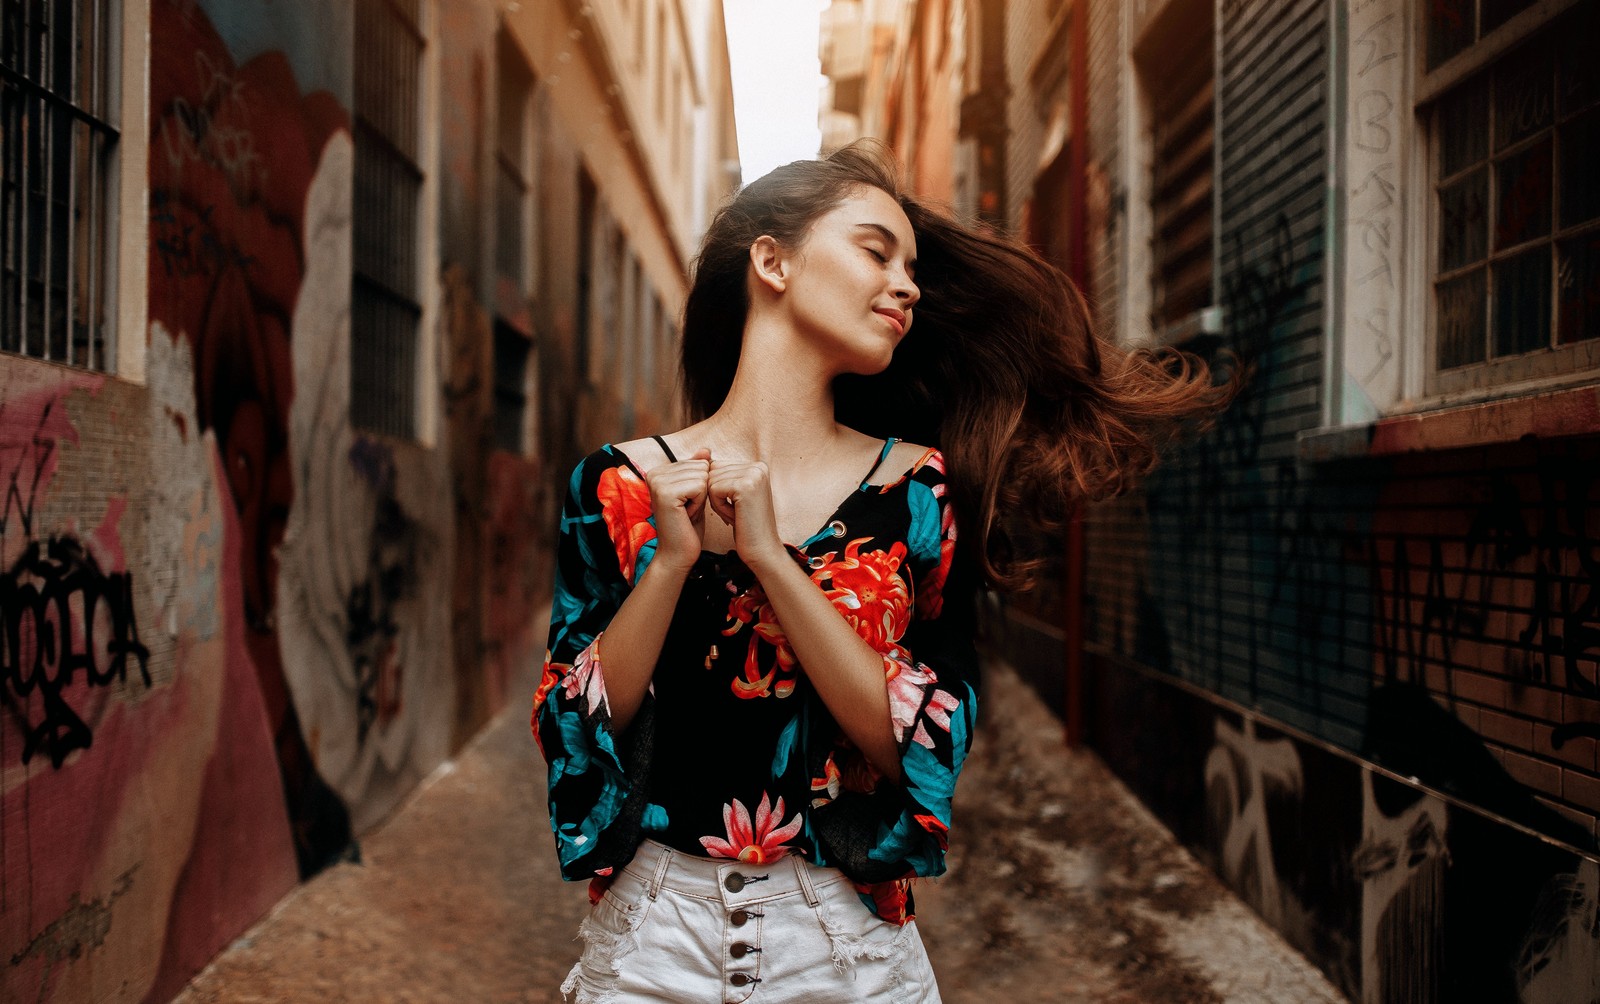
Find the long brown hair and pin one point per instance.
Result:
(1001, 370)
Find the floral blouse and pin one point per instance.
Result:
(732, 754)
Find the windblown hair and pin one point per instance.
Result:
(1034, 413)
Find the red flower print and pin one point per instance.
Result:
(585, 677)
(751, 608)
(930, 594)
(757, 844)
(548, 679)
(893, 899)
(625, 506)
(868, 591)
(907, 683)
(940, 832)
(930, 598)
(826, 788)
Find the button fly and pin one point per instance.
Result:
(739, 917)
(741, 979)
(739, 950)
(734, 882)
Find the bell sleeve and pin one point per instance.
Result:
(876, 830)
(597, 774)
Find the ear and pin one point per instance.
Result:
(771, 264)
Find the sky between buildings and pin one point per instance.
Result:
(772, 54)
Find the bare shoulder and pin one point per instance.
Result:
(645, 453)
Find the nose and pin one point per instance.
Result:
(906, 291)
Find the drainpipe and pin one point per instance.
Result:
(1078, 265)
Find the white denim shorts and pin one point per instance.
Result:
(677, 927)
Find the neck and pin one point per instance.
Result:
(780, 407)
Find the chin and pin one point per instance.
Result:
(873, 366)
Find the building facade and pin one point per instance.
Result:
(1344, 642)
(306, 310)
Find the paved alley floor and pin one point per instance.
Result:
(1062, 887)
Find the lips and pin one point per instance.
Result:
(897, 318)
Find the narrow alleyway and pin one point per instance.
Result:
(1061, 888)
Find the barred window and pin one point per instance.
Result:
(58, 141)
(1176, 62)
(385, 310)
(514, 169)
(1516, 290)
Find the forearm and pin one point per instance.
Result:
(631, 643)
(845, 671)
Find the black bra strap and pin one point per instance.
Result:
(665, 449)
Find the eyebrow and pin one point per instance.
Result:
(889, 236)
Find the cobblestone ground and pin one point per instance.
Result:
(1061, 888)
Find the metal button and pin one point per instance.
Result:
(739, 917)
(741, 979)
(734, 882)
(739, 950)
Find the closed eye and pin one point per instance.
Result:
(878, 255)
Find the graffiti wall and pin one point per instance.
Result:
(1399, 893)
(235, 631)
(1361, 681)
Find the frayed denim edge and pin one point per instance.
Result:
(609, 947)
(848, 949)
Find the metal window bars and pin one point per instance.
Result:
(385, 310)
(58, 141)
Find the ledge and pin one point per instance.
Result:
(1571, 412)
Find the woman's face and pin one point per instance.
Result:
(851, 285)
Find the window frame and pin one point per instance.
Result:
(123, 228)
(1546, 368)
(424, 415)
(1141, 299)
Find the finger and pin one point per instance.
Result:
(701, 453)
(722, 503)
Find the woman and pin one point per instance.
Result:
(761, 680)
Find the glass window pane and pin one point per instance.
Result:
(1578, 71)
(1449, 27)
(1580, 156)
(1522, 302)
(1498, 12)
(1461, 310)
(1463, 221)
(1523, 196)
(1578, 292)
(1524, 86)
(1464, 126)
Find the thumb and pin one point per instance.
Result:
(703, 453)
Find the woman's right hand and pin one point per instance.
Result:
(678, 498)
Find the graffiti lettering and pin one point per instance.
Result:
(1372, 111)
(1557, 630)
(26, 462)
(1239, 770)
(1374, 50)
(61, 616)
(202, 131)
(1401, 864)
(185, 253)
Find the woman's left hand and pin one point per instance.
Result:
(741, 493)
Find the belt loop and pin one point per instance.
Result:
(662, 862)
(800, 870)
